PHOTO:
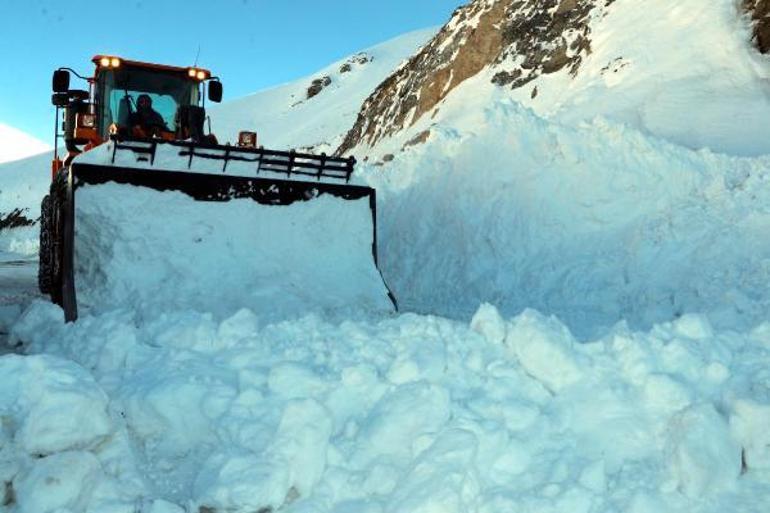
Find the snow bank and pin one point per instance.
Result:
(149, 251)
(23, 184)
(54, 416)
(418, 413)
(595, 223)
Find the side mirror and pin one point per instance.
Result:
(215, 91)
(61, 81)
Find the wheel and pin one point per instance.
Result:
(58, 200)
(49, 274)
(44, 254)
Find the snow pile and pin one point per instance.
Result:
(54, 418)
(415, 414)
(17, 145)
(148, 251)
(594, 223)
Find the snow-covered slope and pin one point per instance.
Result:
(685, 71)
(316, 111)
(16, 145)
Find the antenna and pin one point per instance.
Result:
(197, 54)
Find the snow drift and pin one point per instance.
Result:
(596, 223)
(412, 413)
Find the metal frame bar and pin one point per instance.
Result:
(290, 163)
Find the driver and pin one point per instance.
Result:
(146, 117)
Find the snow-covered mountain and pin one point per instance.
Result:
(682, 71)
(17, 145)
(316, 111)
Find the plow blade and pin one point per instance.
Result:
(138, 233)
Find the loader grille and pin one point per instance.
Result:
(290, 164)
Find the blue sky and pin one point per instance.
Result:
(251, 44)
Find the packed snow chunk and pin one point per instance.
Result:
(400, 418)
(488, 322)
(302, 440)
(750, 423)
(55, 403)
(242, 325)
(665, 394)
(703, 458)
(187, 405)
(290, 380)
(60, 482)
(546, 349)
(443, 479)
(695, 327)
(150, 251)
(241, 483)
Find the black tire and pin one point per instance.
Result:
(58, 200)
(44, 254)
(50, 266)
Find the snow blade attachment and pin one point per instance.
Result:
(151, 225)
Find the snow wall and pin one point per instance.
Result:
(594, 223)
(151, 251)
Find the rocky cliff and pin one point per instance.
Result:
(520, 39)
(514, 41)
(759, 10)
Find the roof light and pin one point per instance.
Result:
(201, 75)
(191, 72)
(109, 62)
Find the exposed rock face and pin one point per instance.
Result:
(317, 86)
(759, 10)
(358, 59)
(520, 39)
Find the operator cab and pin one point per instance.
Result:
(110, 105)
(175, 93)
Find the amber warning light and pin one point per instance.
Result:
(247, 139)
(109, 62)
(198, 74)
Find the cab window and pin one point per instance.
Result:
(121, 88)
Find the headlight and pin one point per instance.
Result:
(247, 139)
(104, 62)
(87, 120)
(197, 74)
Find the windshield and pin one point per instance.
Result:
(122, 88)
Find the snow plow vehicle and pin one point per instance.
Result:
(148, 210)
